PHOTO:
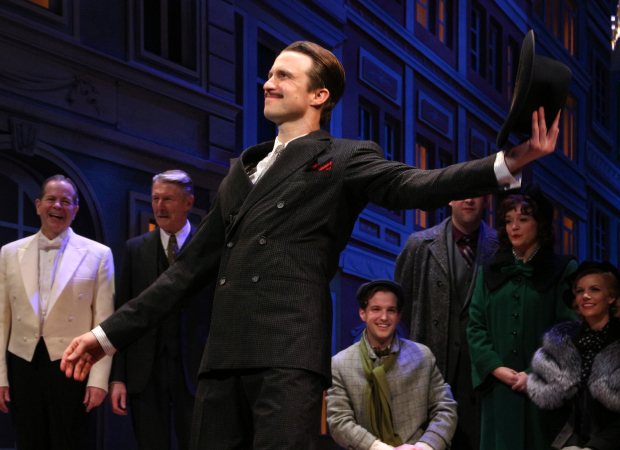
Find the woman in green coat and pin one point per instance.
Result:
(518, 297)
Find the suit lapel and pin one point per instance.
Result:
(296, 154)
(148, 254)
(439, 249)
(483, 253)
(28, 260)
(71, 260)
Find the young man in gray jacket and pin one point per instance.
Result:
(387, 392)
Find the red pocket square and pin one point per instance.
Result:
(321, 166)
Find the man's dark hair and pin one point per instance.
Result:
(326, 72)
(177, 177)
(368, 290)
(76, 198)
(531, 207)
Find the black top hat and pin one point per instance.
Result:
(389, 285)
(604, 266)
(540, 82)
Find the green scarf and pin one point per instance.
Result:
(377, 396)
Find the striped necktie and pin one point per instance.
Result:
(466, 251)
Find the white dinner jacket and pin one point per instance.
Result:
(82, 296)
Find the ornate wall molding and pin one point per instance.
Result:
(24, 135)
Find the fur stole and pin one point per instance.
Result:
(556, 370)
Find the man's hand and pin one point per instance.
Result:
(521, 384)
(506, 375)
(83, 352)
(540, 144)
(118, 398)
(94, 397)
(4, 398)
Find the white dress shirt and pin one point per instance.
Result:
(49, 260)
(264, 163)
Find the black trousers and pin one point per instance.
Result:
(49, 409)
(165, 401)
(258, 409)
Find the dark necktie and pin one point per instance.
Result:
(173, 248)
(466, 251)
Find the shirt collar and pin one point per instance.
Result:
(277, 142)
(458, 234)
(63, 237)
(181, 235)
(394, 345)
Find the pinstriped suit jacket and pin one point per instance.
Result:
(273, 248)
(422, 405)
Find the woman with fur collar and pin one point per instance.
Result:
(578, 366)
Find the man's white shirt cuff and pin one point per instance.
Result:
(505, 179)
(108, 348)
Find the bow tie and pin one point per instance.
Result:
(46, 244)
(519, 269)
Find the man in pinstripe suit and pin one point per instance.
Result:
(272, 242)
(419, 406)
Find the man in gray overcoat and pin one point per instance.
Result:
(437, 270)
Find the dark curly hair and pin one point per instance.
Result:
(545, 231)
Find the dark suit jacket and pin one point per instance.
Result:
(278, 244)
(133, 365)
(423, 269)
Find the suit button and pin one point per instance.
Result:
(19, 318)
(14, 296)
(61, 340)
(36, 335)
(514, 333)
(515, 315)
(514, 352)
(222, 281)
(70, 318)
(280, 205)
(255, 278)
(25, 338)
(439, 283)
(435, 322)
(81, 295)
(262, 240)
(230, 244)
(516, 297)
(518, 280)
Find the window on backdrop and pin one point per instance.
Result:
(566, 232)
(169, 30)
(600, 236)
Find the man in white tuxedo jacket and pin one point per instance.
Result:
(54, 286)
